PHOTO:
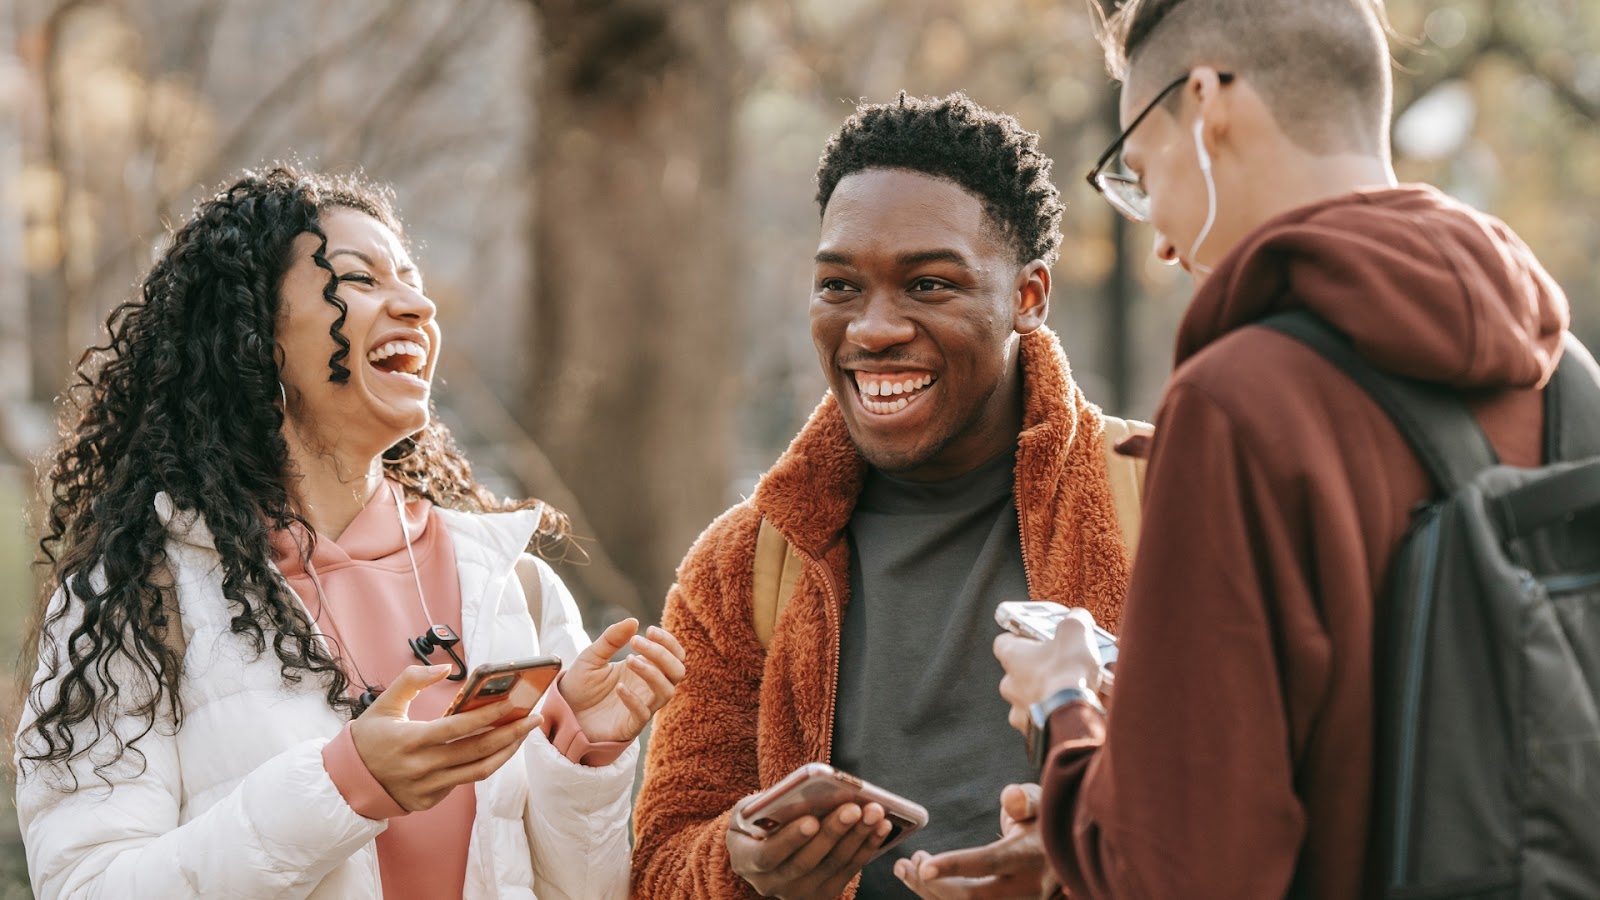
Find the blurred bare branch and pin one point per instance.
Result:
(1560, 84)
(475, 403)
(51, 323)
(265, 113)
(401, 158)
(1417, 81)
(285, 93)
(439, 50)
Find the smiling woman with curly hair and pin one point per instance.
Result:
(252, 516)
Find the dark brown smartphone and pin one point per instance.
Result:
(817, 789)
(524, 681)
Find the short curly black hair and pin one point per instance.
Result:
(985, 152)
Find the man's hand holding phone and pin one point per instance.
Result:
(419, 763)
(1036, 669)
(815, 855)
(810, 833)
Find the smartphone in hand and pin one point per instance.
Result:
(523, 680)
(817, 789)
(1038, 620)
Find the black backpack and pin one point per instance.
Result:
(1488, 648)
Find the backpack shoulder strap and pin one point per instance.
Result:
(1572, 406)
(1126, 475)
(776, 568)
(532, 589)
(1435, 421)
(172, 630)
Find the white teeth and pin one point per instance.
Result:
(868, 386)
(409, 348)
(416, 356)
(884, 408)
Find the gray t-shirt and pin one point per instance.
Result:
(919, 709)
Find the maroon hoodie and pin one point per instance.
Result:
(1238, 757)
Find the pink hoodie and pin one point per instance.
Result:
(369, 610)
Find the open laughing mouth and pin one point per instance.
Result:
(407, 358)
(886, 393)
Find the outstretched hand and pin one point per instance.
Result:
(1013, 866)
(613, 701)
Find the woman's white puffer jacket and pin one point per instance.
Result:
(237, 804)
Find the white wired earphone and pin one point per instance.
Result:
(438, 635)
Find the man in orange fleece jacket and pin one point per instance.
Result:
(953, 465)
(1238, 758)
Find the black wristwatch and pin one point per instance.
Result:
(1039, 719)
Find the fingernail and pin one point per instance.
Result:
(808, 827)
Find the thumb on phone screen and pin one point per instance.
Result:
(395, 701)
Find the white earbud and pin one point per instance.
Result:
(1200, 145)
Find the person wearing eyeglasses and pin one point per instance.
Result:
(1236, 758)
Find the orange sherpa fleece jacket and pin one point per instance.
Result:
(743, 718)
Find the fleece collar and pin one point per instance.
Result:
(810, 493)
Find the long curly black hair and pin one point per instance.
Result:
(183, 398)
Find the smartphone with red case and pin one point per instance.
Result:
(817, 789)
(524, 681)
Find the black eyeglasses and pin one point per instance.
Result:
(1124, 192)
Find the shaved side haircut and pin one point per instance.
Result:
(1322, 66)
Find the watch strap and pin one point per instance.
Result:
(1039, 719)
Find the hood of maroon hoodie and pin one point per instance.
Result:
(1425, 286)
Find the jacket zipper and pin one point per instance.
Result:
(1411, 698)
(832, 613)
(1022, 534)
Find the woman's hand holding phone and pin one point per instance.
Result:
(419, 763)
(613, 701)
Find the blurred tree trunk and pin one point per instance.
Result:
(15, 358)
(1119, 291)
(630, 363)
